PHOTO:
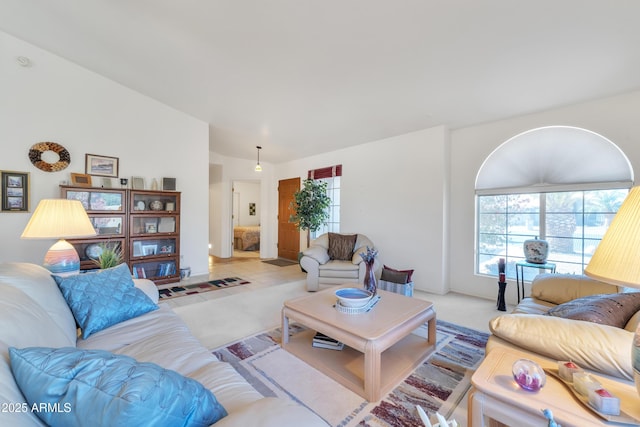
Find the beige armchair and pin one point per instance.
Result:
(324, 268)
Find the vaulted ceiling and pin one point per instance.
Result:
(300, 77)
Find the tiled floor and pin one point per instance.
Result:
(461, 309)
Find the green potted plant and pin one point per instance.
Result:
(311, 206)
(110, 256)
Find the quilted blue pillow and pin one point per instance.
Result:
(98, 388)
(103, 298)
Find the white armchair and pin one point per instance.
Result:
(321, 269)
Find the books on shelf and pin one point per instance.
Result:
(321, 340)
(139, 273)
(166, 269)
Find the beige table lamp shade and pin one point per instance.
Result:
(617, 259)
(59, 219)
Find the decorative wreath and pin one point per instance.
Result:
(35, 155)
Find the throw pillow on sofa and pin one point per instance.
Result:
(36, 282)
(98, 388)
(611, 309)
(103, 298)
(341, 246)
(396, 276)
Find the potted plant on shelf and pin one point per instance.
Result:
(310, 206)
(110, 256)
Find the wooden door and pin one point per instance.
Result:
(288, 234)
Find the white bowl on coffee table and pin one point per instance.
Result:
(353, 297)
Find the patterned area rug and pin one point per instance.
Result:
(439, 384)
(197, 288)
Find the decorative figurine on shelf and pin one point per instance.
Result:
(502, 285)
(549, 415)
(369, 258)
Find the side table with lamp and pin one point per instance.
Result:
(496, 400)
(495, 395)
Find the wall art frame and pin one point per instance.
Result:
(15, 191)
(98, 165)
(169, 184)
(80, 179)
(137, 183)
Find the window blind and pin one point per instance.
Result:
(328, 172)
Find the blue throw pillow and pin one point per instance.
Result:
(94, 387)
(103, 298)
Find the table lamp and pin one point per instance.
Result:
(617, 259)
(59, 219)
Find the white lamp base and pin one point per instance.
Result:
(62, 259)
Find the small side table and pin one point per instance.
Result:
(520, 265)
(495, 399)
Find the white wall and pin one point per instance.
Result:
(248, 192)
(215, 208)
(615, 118)
(412, 194)
(56, 100)
(394, 191)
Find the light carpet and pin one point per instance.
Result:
(224, 320)
(439, 384)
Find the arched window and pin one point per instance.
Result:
(559, 183)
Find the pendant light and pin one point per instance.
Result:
(258, 167)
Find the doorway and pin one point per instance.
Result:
(245, 219)
(288, 234)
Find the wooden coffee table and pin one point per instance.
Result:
(380, 349)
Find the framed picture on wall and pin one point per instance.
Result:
(149, 249)
(80, 179)
(15, 191)
(169, 184)
(101, 165)
(137, 183)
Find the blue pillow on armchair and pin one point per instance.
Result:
(103, 298)
(98, 388)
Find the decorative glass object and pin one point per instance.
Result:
(536, 250)
(370, 283)
(369, 258)
(528, 374)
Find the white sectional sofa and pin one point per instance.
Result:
(34, 313)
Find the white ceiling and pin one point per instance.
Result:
(301, 77)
